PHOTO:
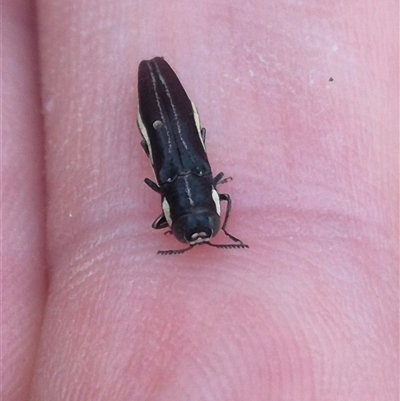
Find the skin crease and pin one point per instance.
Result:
(309, 312)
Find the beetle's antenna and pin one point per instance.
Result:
(175, 251)
(231, 236)
(228, 246)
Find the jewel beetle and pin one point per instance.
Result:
(175, 144)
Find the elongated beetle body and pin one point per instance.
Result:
(175, 144)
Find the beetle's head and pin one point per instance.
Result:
(197, 227)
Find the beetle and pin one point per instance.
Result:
(175, 144)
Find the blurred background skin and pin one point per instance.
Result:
(309, 312)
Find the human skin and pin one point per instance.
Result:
(309, 311)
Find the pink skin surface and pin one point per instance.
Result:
(309, 312)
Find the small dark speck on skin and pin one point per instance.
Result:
(330, 79)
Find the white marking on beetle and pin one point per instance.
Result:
(176, 119)
(145, 135)
(188, 191)
(197, 122)
(199, 238)
(153, 80)
(167, 211)
(157, 125)
(215, 197)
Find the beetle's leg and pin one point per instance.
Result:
(218, 179)
(203, 134)
(145, 147)
(160, 222)
(152, 185)
(168, 232)
(227, 198)
(175, 251)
